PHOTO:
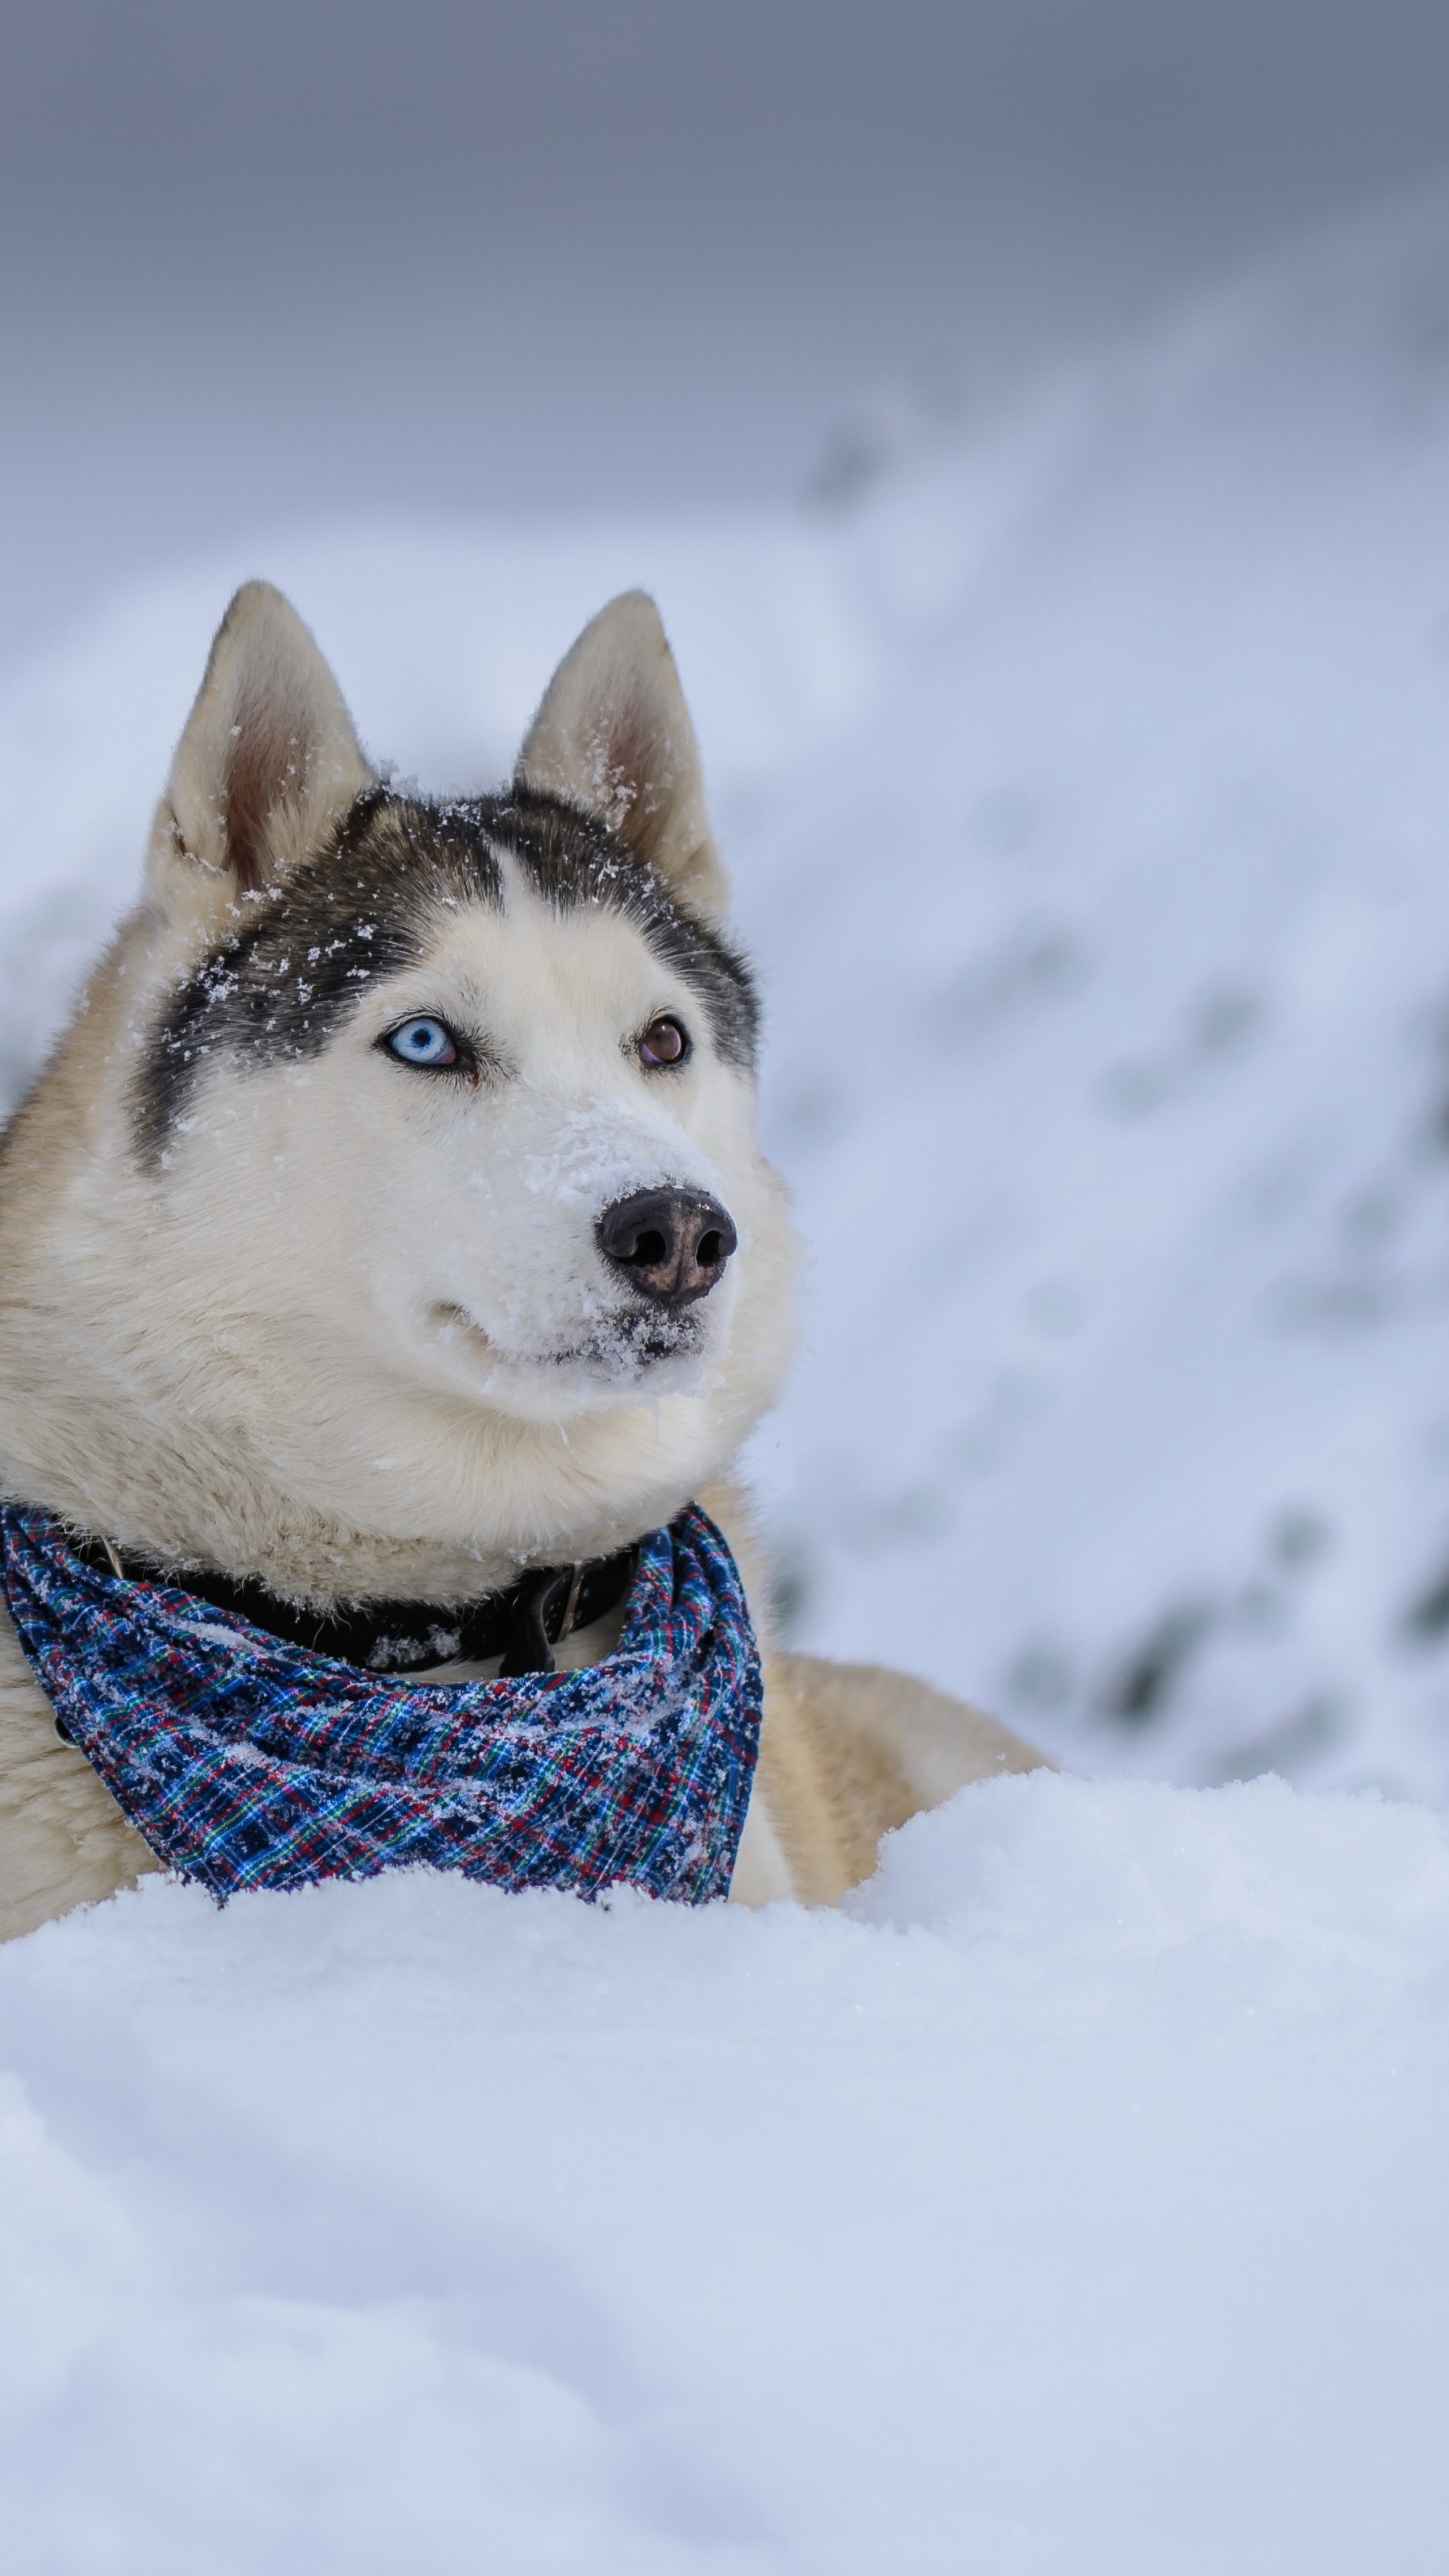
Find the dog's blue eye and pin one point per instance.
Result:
(423, 1041)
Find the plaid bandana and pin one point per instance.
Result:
(248, 1762)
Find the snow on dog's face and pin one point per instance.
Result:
(444, 1203)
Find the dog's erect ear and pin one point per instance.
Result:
(267, 765)
(613, 734)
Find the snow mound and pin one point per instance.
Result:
(1075, 2202)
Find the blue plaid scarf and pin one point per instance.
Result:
(247, 1762)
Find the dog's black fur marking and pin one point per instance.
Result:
(571, 858)
(366, 906)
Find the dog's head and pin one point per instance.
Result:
(441, 1186)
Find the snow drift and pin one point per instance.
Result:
(1076, 2201)
(1074, 2205)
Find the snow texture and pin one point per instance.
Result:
(1076, 2205)
(1076, 2201)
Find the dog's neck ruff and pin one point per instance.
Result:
(249, 1761)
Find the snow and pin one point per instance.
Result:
(1074, 2201)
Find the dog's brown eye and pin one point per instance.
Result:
(663, 1042)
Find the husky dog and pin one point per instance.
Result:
(390, 1219)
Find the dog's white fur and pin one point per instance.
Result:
(354, 1334)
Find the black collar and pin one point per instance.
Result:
(523, 1624)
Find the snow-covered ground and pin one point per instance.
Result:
(1078, 2201)
(1074, 2207)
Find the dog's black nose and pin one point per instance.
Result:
(671, 1244)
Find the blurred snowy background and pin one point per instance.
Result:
(1033, 418)
(1045, 479)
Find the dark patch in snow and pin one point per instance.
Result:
(792, 1583)
(1039, 1677)
(1298, 1536)
(1147, 1680)
(1426, 1621)
(1217, 1025)
(1038, 963)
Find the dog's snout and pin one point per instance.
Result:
(671, 1244)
